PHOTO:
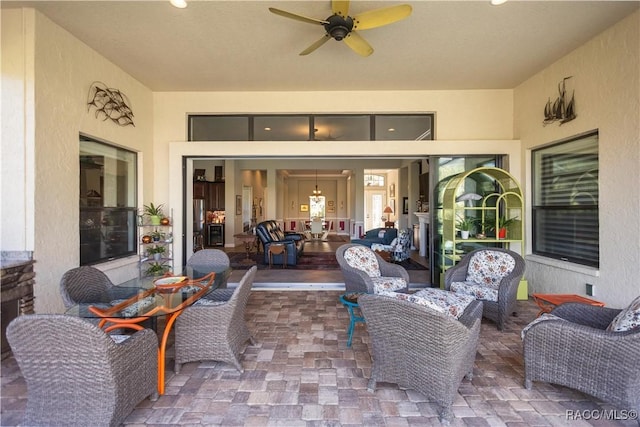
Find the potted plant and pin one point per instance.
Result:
(156, 251)
(156, 236)
(157, 269)
(465, 225)
(503, 224)
(154, 213)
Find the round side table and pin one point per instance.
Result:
(350, 301)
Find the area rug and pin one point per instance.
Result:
(308, 261)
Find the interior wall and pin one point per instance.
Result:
(606, 80)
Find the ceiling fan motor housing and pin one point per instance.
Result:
(338, 27)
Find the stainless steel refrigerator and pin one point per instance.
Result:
(198, 222)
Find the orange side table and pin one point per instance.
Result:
(548, 302)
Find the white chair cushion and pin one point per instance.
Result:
(488, 293)
(442, 301)
(362, 258)
(628, 319)
(489, 267)
(388, 284)
(208, 302)
(119, 338)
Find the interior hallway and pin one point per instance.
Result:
(282, 278)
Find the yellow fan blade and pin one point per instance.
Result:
(379, 17)
(358, 44)
(297, 17)
(340, 7)
(316, 45)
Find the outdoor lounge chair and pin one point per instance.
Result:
(491, 275)
(365, 271)
(575, 349)
(215, 330)
(77, 375)
(420, 348)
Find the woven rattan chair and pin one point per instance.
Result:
(77, 375)
(207, 260)
(578, 352)
(419, 348)
(215, 330)
(89, 285)
(359, 280)
(507, 286)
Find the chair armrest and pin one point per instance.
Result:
(457, 273)
(388, 269)
(585, 314)
(293, 235)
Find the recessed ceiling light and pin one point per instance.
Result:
(180, 4)
(498, 2)
(391, 129)
(267, 128)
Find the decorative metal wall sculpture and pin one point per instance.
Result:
(110, 103)
(560, 110)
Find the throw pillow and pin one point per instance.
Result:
(628, 319)
(381, 234)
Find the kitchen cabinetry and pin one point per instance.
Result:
(215, 196)
(200, 190)
(486, 197)
(155, 248)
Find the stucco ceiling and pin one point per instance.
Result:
(241, 46)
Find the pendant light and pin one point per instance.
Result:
(316, 192)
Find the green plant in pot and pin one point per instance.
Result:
(154, 213)
(465, 224)
(503, 224)
(157, 269)
(156, 251)
(157, 236)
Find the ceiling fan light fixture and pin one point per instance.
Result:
(180, 4)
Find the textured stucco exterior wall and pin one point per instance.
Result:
(606, 79)
(64, 69)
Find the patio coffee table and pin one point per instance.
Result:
(548, 302)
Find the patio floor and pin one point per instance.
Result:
(300, 373)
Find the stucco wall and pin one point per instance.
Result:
(606, 79)
(63, 71)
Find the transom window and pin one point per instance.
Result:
(311, 127)
(565, 200)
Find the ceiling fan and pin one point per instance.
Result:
(341, 26)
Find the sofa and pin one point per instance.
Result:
(270, 232)
(383, 236)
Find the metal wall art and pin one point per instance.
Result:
(110, 103)
(561, 110)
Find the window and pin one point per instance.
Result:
(565, 200)
(107, 202)
(311, 127)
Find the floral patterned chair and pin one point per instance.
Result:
(491, 275)
(365, 271)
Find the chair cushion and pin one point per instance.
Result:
(362, 258)
(488, 267)
(628, 319)
(208, 302)
(119, 338)
(388, 284)
(543, 317)
(478, 291)
(442, 301)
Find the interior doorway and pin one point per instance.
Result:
(374, 203)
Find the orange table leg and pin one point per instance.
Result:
(162, 349)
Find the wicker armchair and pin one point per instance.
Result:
(419, 348)
(578, 352)
(77, 375)
(375, 274)
(207, 260)
(215, 330)
(458, 279)
(89, 285)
